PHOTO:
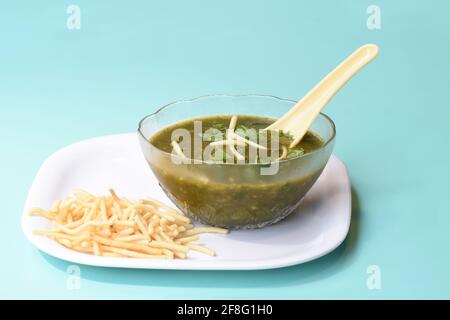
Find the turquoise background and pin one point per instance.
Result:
(58, 86)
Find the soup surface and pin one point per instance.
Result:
(213, 129)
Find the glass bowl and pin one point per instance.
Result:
(236, 196)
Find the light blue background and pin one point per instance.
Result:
(59, 86)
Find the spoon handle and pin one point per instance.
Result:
(302, 115)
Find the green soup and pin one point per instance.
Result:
(232, 195)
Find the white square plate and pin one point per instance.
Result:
(318, 227)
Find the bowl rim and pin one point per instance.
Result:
(221, 95)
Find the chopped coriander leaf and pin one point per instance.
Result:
(218, 126)
(212, 134)
(286, 138)
(294, 153)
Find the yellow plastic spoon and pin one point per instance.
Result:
(298, 120)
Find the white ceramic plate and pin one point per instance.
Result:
(318, 227)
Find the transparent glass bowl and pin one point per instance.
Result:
(234, 195)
